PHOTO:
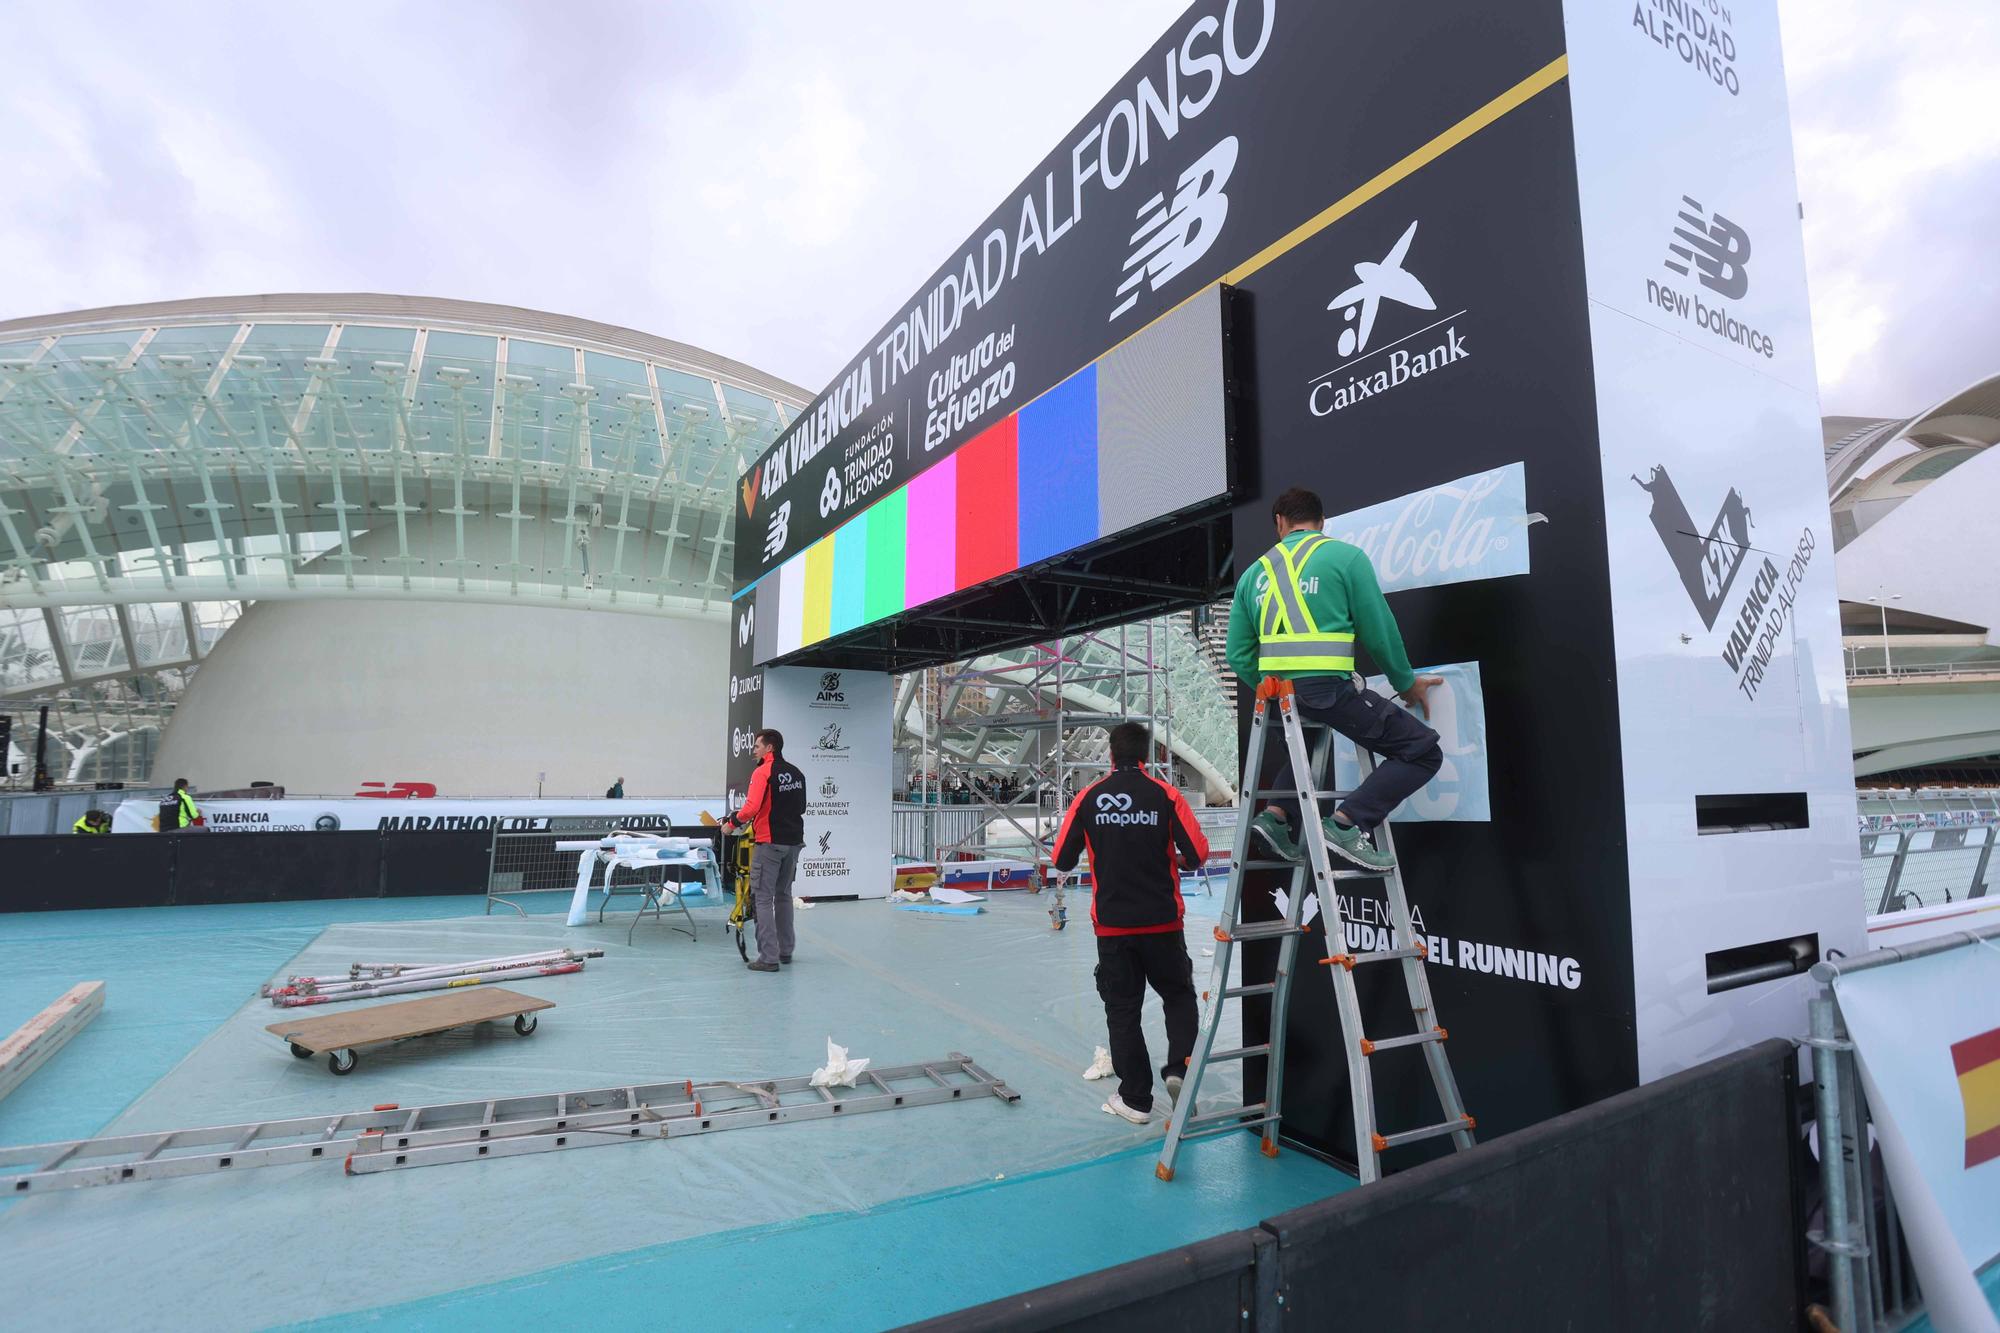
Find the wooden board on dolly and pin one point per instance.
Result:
(340, 1037)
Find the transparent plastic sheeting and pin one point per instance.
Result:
(300, 1242)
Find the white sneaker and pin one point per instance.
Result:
(1116, 1106)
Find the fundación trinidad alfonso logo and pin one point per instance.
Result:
(1363, 375)
(1976, 1061)
(1172, 233)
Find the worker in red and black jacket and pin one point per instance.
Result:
(1140, 835)
(775, 814)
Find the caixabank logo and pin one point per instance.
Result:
(1708, 567)
(1373, 366)
(1710, 255)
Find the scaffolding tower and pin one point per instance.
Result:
(1041, 717)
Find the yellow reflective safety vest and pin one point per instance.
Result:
(1287, 639)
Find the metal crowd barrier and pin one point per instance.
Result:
(1873, 1284)
(1926, 848)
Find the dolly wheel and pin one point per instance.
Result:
(300, 1053)
(342, 1062)
(524, 1023)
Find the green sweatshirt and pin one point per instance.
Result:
(1341, 595)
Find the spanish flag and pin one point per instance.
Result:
(1977, 1060)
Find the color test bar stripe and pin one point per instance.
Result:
(888, 542)
(989, 521)
(850, 574)
(1058, 469)
(933, 535)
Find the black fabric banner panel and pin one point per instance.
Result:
(277, 867)
(419, 865)
(62, 872)
(1246, 120)
(1495, 370)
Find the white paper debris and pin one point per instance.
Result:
(1100, 1065)
(1284, 903)
(840, 1072)
(940, 894)
(1208, 953)
(907, 896)
(803, 904)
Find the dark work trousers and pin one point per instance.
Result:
(1126, 964)
(1406, 749)
(772, 867)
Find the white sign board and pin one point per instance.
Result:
(836, 729)
(331, 814)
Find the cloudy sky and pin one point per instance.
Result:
(770, 179)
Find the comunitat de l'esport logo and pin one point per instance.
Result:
(1391, 365)
(1708, 567)
(1115, 807)
(1715, 252)
(829, 694)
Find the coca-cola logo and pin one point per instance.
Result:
(1471, 528)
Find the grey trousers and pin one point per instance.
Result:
(771, 870)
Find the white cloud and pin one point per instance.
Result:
(770, 181)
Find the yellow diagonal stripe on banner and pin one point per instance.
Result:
(1981, 1089)
(1542, 79)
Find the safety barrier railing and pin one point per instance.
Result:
(1871, 1280)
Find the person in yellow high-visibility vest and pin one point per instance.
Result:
(1297, 614)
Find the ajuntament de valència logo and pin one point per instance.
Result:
(1715, 252)
(1172, 233)
(1708, 567)
(1393, 364)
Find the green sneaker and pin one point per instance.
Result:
(1345, 840)
(1276, 836)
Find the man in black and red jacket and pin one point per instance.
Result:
(775, 813)
(1140, 835)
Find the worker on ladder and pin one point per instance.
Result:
(1297, 614)
(1140, 835)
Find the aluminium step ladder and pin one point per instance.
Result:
(389, 1137)
(1410, 951)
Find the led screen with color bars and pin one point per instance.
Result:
(1137, 435)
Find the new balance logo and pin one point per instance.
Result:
(779, 531)
(1173, 233)
(1717, 247)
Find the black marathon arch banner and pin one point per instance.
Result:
(1449, 255)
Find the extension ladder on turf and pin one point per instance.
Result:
(1277, 695)
(392, 1137)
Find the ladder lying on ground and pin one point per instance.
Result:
(1410, 951)
(390, 1137)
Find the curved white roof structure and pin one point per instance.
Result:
(162, 464)
(1919, 583)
